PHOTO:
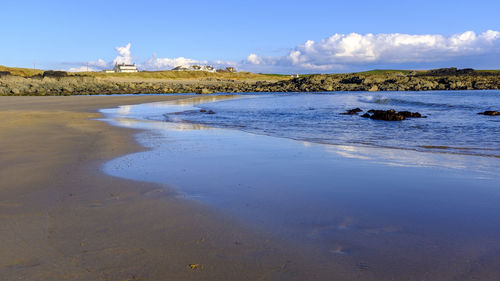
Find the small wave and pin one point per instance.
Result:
(395, 101)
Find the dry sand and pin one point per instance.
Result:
(61, 218)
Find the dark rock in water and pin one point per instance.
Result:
(210, 112)
(490, 113)
(203, 110)
(391, 115)
(408, 114)
(387, 115)
(352, 111)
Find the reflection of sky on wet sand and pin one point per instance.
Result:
(157, 109)
(407, 158)
(155, 125)
(398, 213)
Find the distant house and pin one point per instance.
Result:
(207, 68)
(125, 68)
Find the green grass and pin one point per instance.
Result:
(489, 70)
(383, 71)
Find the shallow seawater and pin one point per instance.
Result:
(452, 124)
(381, 213)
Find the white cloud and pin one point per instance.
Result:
(340, 51)
(254, 59)
(82, 69)
(155, 63)
(99, 63)
(348, 52)
(124, 55)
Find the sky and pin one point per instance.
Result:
(259, 36)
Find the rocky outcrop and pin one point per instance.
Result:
(62, 83)
(386, 115)
(408, 114)
(426, 81)
(391, 115)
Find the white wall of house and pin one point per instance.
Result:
(125, 68)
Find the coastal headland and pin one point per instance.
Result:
(18, 81)
(61, 218)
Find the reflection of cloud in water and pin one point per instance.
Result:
(409, 158)
(123, 109)
(155, 110)
(156, 125)
(198, 100)
(348, 152)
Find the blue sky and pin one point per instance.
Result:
(68, 34)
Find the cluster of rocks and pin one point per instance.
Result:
(393, 115)
(58, 84)
(62, 83)
(386, 115)
(391, 82)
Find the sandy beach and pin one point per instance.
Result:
(81, 199)
(61, 218)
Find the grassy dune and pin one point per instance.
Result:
(168, 74)
(24, 72)
(188, 75)
(384, 71)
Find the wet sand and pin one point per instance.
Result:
(61, 218)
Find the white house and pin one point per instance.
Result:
(125, 68)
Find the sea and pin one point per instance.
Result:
(452, 124)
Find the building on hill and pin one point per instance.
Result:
(124, 68)
(207, 68)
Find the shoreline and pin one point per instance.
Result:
(62, 218)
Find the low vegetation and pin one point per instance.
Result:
(23, 72)
(21, 81)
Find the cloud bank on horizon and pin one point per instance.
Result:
(346, 52)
